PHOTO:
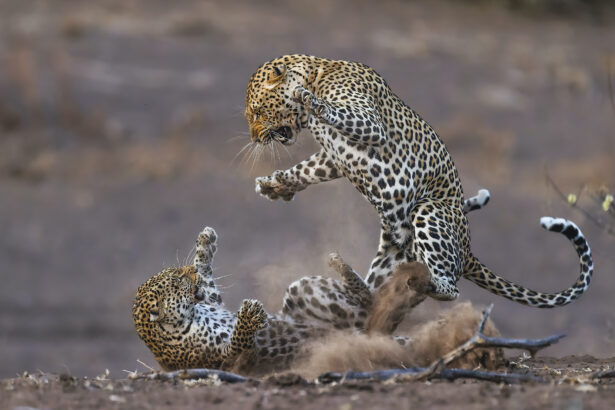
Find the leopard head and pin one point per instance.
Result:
(166, 302)
(271, 112)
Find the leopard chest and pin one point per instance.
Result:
(378, 173)
(212, 326)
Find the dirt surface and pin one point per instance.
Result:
(120, 124)
(568, 385)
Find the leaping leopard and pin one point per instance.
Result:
(395, 160)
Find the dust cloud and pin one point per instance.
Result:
(343, 351)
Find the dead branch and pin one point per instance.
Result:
(480, 340)
(446, 374)
(604, 374)
(188, 374)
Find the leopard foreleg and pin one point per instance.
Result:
(355, 118)
(284, 184)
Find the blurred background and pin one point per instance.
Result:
(120, 124)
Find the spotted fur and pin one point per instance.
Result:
(180, 316)
(394, 159)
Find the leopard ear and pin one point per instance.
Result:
(276, 76)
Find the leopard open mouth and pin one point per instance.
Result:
(283, 135)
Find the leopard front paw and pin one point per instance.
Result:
(208, 237)
(314, 105)
(272, 187)
(301, 94)
(206, 245)
(252, 315)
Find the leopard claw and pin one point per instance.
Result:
(298, 94)
(207, 237)
(253, 313)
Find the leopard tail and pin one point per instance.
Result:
(483, 277)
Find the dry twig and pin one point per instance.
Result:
(447, 374)
(604, 374)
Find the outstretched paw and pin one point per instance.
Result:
(314, 105)
(205, 250)
(207, 237)
(272, 187)
(251, 315)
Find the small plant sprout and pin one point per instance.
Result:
(606, 204)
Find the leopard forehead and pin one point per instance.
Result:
(266, 83)
(260, 94)
(169, 284)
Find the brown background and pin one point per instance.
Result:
(120, 121)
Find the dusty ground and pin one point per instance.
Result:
(568, 386)
(119, 127)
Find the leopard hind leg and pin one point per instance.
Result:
(329, 302)
(441, 243)
(355, 287)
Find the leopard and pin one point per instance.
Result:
(396, 161)
(180, 316)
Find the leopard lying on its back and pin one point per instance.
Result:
(180, 316)
(398, 163)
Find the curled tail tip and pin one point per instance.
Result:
(565, 226)
(546, 222)
(554, 224)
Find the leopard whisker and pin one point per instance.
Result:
(225, 287)
(258, 154)
(272, 154)
(251, 153)
(276, 155)
(277, 152)
(237, 137)
(290, 155)
(240, 151)
(190, 256)
(179, 264)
